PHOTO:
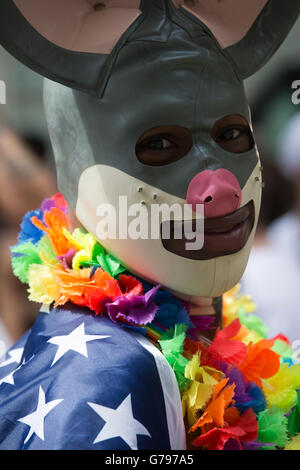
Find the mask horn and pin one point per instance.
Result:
(69, 41)
(248, 31)
(264, 37)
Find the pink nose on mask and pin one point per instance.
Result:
(218, 190)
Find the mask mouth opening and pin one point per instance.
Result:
(223, 236)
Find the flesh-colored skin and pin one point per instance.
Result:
(98, 31)
(220, 16)
(75, 25)
(189, 279)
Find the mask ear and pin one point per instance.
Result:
(248, 31)
(264, 36)
(68, 41)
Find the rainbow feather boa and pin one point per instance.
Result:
(238, 392)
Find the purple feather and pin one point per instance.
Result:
(135, 309)
(203, 322)
(240, 391)
(47, 204)
(66, 260)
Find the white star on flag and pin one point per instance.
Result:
(15, 357)
(119, 423)
(74, 341)
(9, 379)
(36, 419)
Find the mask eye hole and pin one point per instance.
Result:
(163, 145)
(233, 134)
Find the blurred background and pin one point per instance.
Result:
(27, 176)
(272, 277)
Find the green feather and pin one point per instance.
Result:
(172, 344)
(27, 254)
(294, 419)
(272, 427)
(253, 323)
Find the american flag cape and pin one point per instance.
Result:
(79, 382)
